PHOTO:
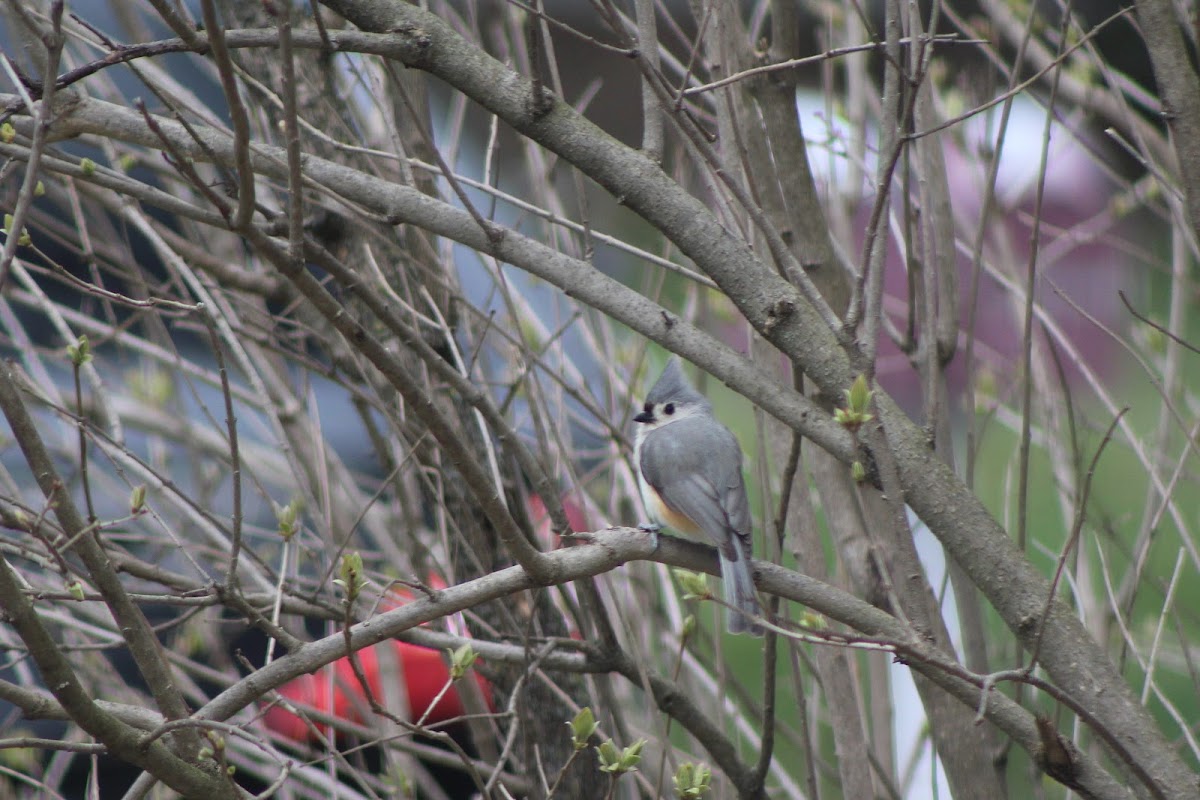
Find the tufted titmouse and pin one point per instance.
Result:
(690, 472)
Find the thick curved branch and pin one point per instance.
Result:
(1179, 90)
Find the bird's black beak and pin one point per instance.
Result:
(644, 417)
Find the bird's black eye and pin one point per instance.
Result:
(648, 408)
(669, 408)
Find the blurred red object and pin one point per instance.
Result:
(577, 516)
(425, 674)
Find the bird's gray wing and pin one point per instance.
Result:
(726, 475)
(737, 507)
(721, 467)
(695, 498)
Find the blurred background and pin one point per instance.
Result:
(1055, 162)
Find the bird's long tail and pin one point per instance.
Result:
(738, 580)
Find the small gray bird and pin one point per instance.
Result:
(690, 472)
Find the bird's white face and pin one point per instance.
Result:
(657, 415)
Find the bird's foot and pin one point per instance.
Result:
(651, 528)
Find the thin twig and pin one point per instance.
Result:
(52, 40)
(1076, 528)
(237, 114)
(836, 52)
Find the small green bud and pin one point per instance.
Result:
(609, 755)
(689, 627)
(80, 353)
(461, 660)
(619, 762)
(88, 167)
(858, 472)
(582, 727)
(813, 621)
(23, 237)
(126, 162)
(21, 519)
(7, 133)
(39, 189)
(137, 499)
(692, 781)
(858, 400)
(694, 584)
(631, 756)
(859, 395)
(286, 516)
(76, 590)
(350, 575)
